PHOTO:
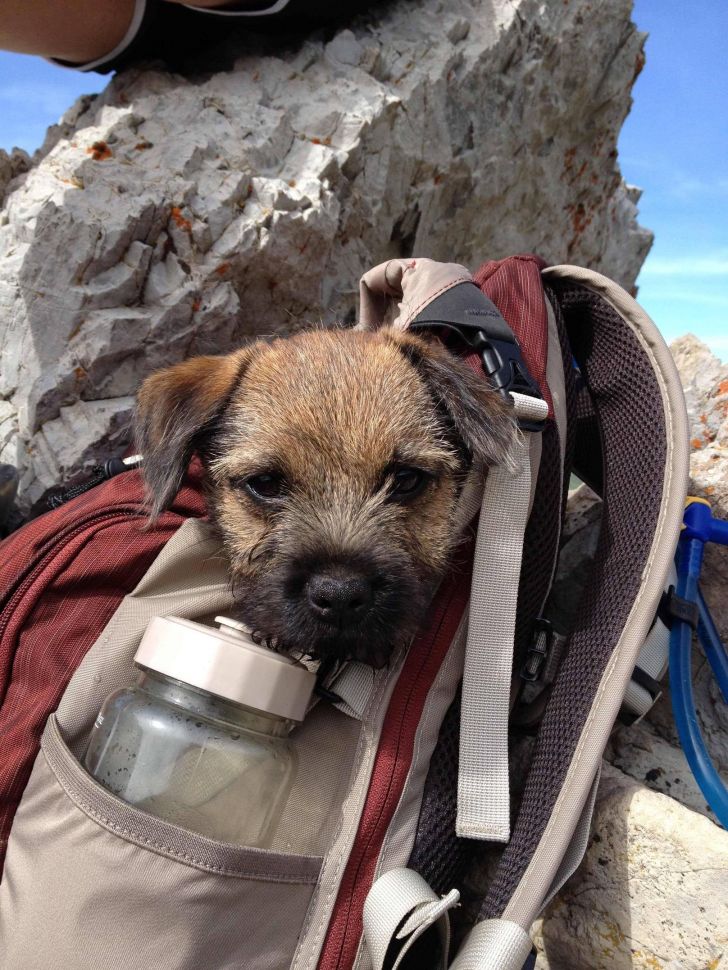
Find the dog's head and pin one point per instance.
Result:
(334, 463)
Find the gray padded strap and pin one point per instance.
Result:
(494, 944)
(483, 798)
(403, 895)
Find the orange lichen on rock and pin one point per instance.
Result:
(179, 219)
(99, 151)
(580, 219)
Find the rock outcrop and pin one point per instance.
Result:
(174, 215)
(652, 891)
(650, 894)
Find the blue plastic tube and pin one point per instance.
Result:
(713, 646)
(690, 558)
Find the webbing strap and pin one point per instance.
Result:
(494, 944)
(652, 660)
(483, 797)
(399, 908)
(354, 686)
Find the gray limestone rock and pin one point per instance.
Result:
(11, 166)
(174, 215)
(651, 893)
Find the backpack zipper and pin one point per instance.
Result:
(16, 593)
(337, 947)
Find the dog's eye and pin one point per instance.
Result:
(407, 482)
(264, 486)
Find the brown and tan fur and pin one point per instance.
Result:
(338, 420)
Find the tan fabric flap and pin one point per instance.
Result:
(394, 292)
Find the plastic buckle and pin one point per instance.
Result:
(629, 717)
(504, 364)
(542, 639)
(464, 310)
(652, 686)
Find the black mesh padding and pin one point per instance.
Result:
(588, 453)
(439, 856)
(570, 394)
(628, 404)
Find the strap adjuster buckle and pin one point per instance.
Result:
(467, 312)
(504, 364)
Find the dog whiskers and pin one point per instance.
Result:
(265, 640)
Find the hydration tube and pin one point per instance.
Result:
(699, 527)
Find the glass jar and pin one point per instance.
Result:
(206, 749)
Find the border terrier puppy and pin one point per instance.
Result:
(334, 462)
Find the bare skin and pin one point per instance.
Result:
(77, 31)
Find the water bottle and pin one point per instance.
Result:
(200, 739)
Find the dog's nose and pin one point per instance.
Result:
(339, 595)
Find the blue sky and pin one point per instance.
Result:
(674, 145)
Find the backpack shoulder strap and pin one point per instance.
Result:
(638, 403)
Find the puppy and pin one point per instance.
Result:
(334, 461)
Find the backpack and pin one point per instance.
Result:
(403, 772)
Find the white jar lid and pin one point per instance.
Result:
(227, 663)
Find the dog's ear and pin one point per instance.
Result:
(175, 407)
(481, 418)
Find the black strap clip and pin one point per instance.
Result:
(674, 607)
(467, 312)
(627, 715)
(542, 639)
(652, 686)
